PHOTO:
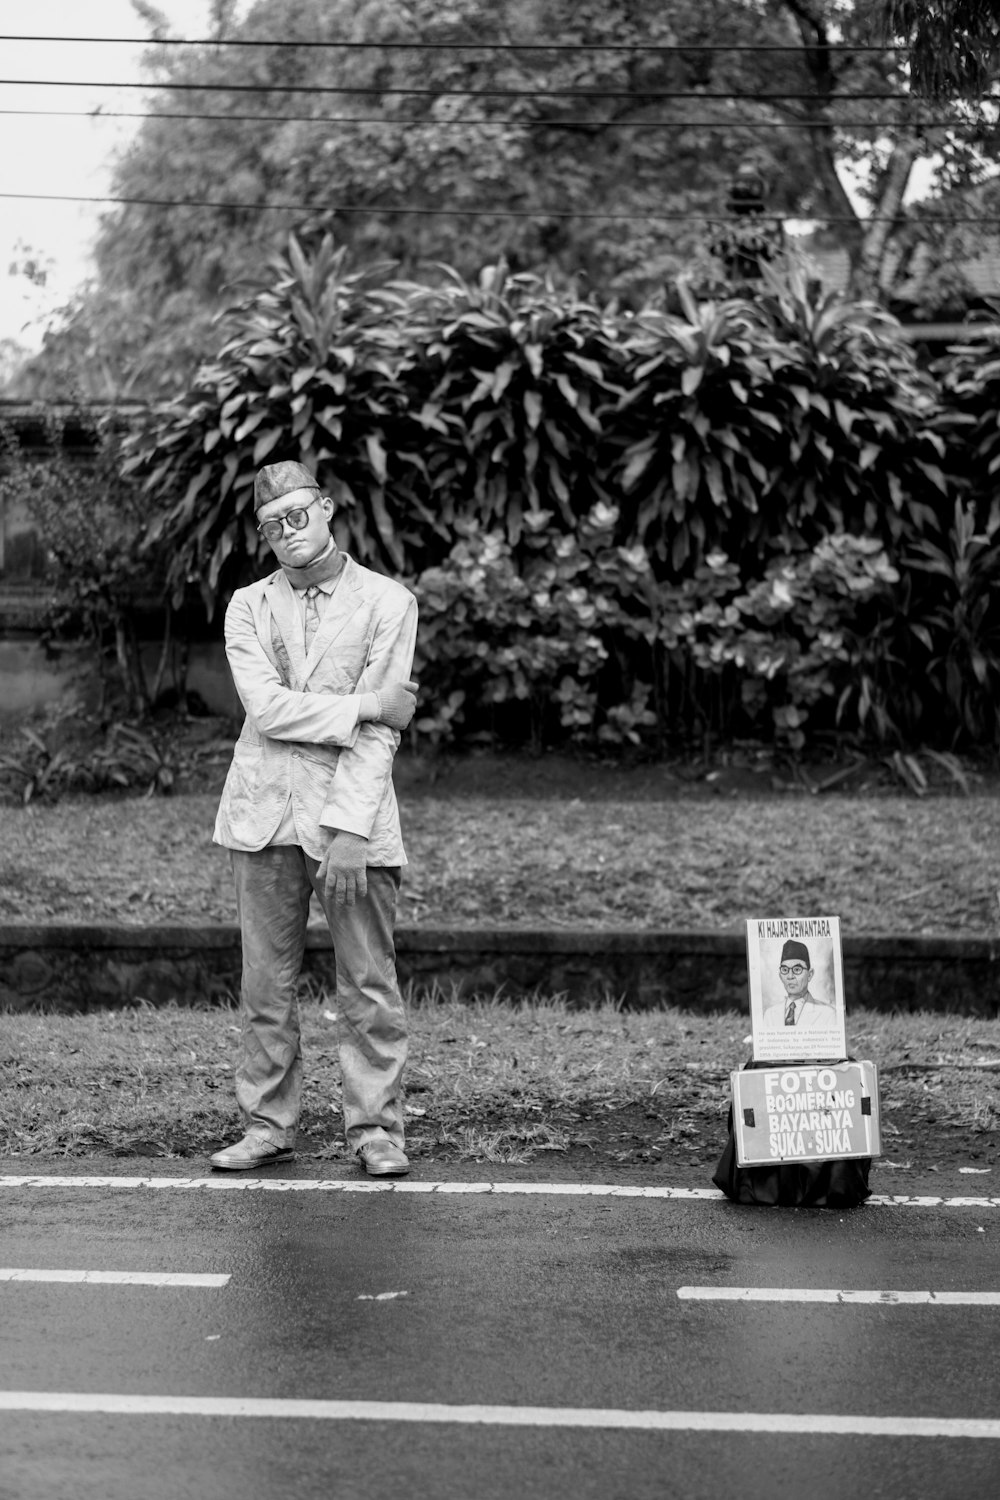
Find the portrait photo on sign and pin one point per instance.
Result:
(796, 976)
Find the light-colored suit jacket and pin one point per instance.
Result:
(301, 737)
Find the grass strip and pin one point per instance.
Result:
(488, 1080)
(882, 865)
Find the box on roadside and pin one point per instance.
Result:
(797, 1112)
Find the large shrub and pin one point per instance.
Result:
(514, 384)
(418, 407)
(970, 421)
(621, 529)
(764, 425)
(947, 630)
(315, 368)
(575, 640)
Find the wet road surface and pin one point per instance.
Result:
(524, 1307)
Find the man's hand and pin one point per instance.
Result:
(397, 704)
(341, 873)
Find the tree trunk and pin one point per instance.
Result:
(161, 666)
(865, 244)
(866, 274)
(130, 666)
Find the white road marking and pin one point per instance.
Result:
(903, 1200)
(501, 1416)
(224, 1183)
(367, 1185)
(115, 1278)
(832, 1294)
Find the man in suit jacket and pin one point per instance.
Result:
(800, 1006)
(321, 653)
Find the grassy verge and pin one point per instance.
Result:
(881, 865)
(488, 1081)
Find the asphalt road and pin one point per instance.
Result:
(530, 1306)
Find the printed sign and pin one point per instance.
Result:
(797, 1113)
(796, 974)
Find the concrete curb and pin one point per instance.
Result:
(85, 966)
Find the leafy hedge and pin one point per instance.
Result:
(758, 518)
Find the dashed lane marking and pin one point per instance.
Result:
(810, 1424)
(832, 1294)
(115, 1278)
(408, 1185)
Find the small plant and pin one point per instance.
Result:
(126, 758)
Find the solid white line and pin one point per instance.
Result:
(501, 1416)
(368, 1185)
(832, 1294)
(115, 1278)
(522, 1189)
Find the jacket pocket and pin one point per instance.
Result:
(244, 773)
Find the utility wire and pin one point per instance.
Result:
(531, 124)
(668, 47)
(758, 221)
(352, 90)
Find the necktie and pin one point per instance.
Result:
(312, 613)
(790, 1013)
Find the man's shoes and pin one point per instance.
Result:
(381, 1158)
(252, 1151)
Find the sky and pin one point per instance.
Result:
(69, 154)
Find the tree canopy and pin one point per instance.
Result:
(954, 45)
(592, 141)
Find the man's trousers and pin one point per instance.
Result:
(273, 887)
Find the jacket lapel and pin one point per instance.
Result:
(286, 616)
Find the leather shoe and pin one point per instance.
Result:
(381, 1158)
(252, 1151)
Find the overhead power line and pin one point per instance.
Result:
(354, 91)
(354, 46)
(797, 123)
(485, 212)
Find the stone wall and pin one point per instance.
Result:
(80, 968)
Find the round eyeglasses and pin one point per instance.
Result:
(274, 530)
(791, 971)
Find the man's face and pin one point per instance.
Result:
(298, 548)
(795, 977)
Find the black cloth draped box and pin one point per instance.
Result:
(802, 1184)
